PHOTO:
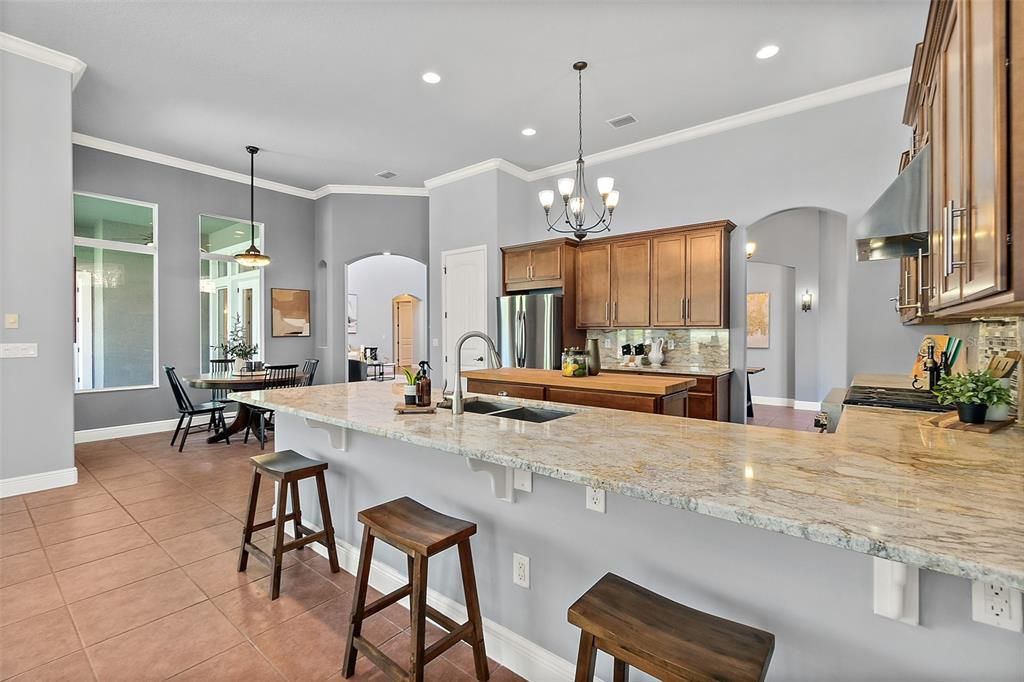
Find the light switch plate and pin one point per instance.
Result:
(11, 321)
(19, 350)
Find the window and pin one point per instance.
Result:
(229, 294)
(115, 293)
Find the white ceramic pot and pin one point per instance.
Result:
(239, 365)
(410, 394)
(657, 354)
(999, 413)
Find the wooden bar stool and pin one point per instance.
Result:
(420, 532)
(665, 639)
(287, 468)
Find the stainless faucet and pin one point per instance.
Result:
(493, 361)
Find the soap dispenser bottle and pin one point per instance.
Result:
(423, 385)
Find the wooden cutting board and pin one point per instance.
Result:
(402, 408)
(951, 420)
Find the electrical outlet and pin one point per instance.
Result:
(11, 321)
(996, 605)
(521, 570)
(522, 480)
(671, 345)
(607, 343)
(595, 499)
(435, 343)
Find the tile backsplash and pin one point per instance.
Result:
(989, 338)
(704, 348)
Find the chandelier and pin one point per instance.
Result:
(252, 257)
(575, 197)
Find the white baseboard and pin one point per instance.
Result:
(511, 650)
(785, 402)
(126, 430)
(33, 483)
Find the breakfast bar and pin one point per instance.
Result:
(948, 502)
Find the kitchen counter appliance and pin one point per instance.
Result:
(895, 398)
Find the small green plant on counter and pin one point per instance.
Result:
(236, 346)
(410, 376)
(972, 388)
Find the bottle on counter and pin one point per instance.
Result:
(423, 385)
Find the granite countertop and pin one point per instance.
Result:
(885, 484)
(665, 369)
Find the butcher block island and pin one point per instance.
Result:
(651, 394)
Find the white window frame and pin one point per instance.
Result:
(114, 245)
(226, 258)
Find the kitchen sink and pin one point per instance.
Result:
(536, 415)
(483, 407)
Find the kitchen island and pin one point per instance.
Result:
(652, 394)
(884, 485)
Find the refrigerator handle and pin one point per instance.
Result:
(520, 338)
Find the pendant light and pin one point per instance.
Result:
(574, 192)
(252, 257)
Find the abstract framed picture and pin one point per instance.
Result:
(758, 305)
(289, 310)
(352, 313)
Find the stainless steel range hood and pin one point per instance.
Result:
(897, 223)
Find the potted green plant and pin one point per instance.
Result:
(972, 394)
(410, 386)
(237, 348)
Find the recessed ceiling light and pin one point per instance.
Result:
(529, 132)
(767, 52)
(431, 77)
(386, 253)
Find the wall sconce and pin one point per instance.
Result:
(751, 248)
(805, 301)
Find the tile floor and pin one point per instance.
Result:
(131, 575)
(783, 418)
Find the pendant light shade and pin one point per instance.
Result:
(252, 257)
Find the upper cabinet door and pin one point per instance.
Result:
(631, 283)
(546, 262)
(668, 283)
(593, 286)
(982, 229)
(517, 266)
(706, 274)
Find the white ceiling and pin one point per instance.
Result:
(332, 90)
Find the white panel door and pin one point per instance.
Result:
(463, 307)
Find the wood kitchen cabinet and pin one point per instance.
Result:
(689, 279)
(959, 102)
(594, 285)
(536, 266)
(911, 299)
(631, 283)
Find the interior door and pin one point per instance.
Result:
(667, 280)
(404, 316)
(463, 307)
(704, 276)
(631, 283)
(983, 228)
(593, 286)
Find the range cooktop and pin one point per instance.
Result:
(896, 398)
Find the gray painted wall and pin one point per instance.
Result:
(36, 407)
(376, 280)
(182, 196)
(778, 380)
(350, 227)
(816, 599)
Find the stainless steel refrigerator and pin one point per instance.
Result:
(530, 331)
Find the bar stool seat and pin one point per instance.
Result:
(419, 532)
(287, 467)
(663, 638)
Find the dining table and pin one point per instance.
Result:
(247, 381)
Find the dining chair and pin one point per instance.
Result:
(275, 376)
(186, 408)
(309, 369)
(221, 366)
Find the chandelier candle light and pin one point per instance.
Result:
(252, 257)
(575, 198)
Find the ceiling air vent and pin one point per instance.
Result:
(386, 174)
(621, 121)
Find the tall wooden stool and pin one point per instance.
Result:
(663, 638)
(421, 533)
(287, 468)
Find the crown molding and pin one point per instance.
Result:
(477, 169)
(814, 100)
(184, 164)
(382, 190)
(43, 55)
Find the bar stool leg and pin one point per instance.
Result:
(358, 601)
(250, 520)
(296, 511)
(418, 610)
(620, 671)
(586, 659)
(282, 504)
(473, 610)
(325, 512)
